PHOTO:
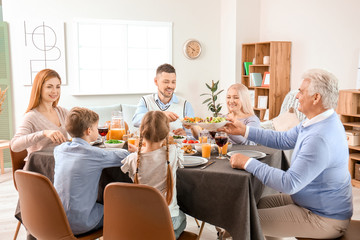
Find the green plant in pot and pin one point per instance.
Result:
(214, 107)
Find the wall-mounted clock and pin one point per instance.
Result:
(192, 49)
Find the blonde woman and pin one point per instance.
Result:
(155, 165)
(43, 125)
(239, 106)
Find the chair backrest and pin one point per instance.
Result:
(17, 161)
(42, 212)
(137, 212)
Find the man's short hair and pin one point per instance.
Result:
(324, 83)
(165, 68)
(80, 119)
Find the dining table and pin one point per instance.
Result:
(218, 194)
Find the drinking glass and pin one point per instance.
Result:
(212, 133)
(221, 139)
(103, 130)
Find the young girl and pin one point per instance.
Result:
(155, 165)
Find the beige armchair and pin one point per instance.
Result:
(289, 115)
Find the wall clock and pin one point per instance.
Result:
(192, 49)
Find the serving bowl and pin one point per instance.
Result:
(179, 139)
(115, 145)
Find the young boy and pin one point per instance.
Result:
(78, 167)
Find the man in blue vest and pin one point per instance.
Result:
(174, 107)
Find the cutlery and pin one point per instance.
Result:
(208, 164)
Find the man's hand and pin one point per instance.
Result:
(234, 127)
(55, 136)
(238, 161)
(171, 116)
(179, 131)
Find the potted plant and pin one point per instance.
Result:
(213, 96)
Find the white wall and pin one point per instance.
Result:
(324, 34)
(198, 19)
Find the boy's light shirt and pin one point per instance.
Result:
(307, 122)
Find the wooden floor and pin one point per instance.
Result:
(9, 198)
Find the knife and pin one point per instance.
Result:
(208, 164)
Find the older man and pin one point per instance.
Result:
(165, 100)
(317, 195)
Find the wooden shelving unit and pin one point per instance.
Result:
(349, 111)
(279, 68)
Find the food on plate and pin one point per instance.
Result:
(190, 141)
(192, 120)
(114, 141)
(188, 149)
(178, 136)
(206, 120)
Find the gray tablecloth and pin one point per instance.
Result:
(218, 195)
(224, 196)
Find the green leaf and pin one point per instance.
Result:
(208, 86)
(215, 98)
(204, 94)
(219, 92)
(207, 100)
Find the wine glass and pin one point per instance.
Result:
(103, 130)
(221, 138)
(212, 133)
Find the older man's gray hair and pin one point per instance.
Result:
(324, 83)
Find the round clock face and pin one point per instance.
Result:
(192, 49)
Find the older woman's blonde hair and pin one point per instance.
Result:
(244, 96)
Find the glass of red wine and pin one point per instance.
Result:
(212, 133)
(103, 130)
(221, 139)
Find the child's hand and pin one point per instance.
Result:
(132, 148)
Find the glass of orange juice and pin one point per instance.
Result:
(203, 138)
(132, 141)
(206, 150)
(224, 149)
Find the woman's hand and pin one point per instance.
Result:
(55, 136)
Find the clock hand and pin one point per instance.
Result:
(191, 48)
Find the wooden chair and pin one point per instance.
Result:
(17, 162)
(352, 232)
(41, 209)
(137, 212)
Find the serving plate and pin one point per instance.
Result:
(192, 161)
(212, 126)
(249, 153)
(190, 154)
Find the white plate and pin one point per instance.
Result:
(192, 161)
(249, 153)
(212, 126)
(190, 154)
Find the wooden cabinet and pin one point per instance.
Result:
(349, 111)
(278, 67)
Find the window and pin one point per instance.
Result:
(120, 57)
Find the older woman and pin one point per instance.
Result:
(43, 125)
(240, 108)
